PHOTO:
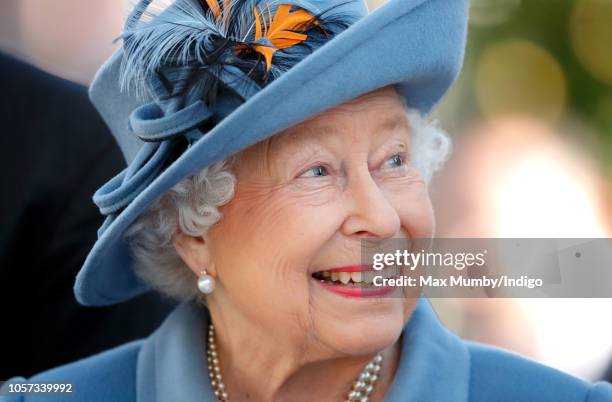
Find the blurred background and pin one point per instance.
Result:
(531, 120)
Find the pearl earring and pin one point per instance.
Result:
(206, 283)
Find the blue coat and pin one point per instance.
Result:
(435, 365)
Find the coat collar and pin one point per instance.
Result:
(434, 363)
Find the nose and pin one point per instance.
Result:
(369, 212)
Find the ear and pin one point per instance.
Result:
(195, 253)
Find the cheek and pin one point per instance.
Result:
(265, 242)
(266, 219)
(414, 208)
(243, 239)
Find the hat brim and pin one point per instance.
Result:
(417, 45)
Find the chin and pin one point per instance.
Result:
(366, 330)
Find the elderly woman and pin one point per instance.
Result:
(267, 141)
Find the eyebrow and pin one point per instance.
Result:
(394, 122)
(391, 123)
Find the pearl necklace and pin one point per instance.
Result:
(360, 391)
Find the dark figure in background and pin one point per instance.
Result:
(55, 151)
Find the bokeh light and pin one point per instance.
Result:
(591, 37)
(566, 336)
(517, 177)
(519, 77)
(546, 191)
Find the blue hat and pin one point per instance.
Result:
(201, 80)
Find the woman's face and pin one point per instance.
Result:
(304, 201)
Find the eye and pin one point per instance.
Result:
(395, 161)
(316, 171)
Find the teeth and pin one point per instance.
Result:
(364, 277)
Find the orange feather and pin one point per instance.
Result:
(281, 30)
(214, 7)
(218, 11)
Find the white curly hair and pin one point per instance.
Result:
(191, 207)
